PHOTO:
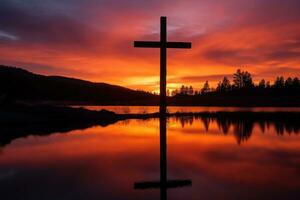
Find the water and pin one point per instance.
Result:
(223, 159)
(173, 109)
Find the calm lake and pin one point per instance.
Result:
(205, 158)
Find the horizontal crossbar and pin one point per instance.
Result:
(147, 44)
(154, 44)
(179, 45)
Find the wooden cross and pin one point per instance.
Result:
(163, 44)
(163, 184)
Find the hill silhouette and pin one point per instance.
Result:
(19, 84)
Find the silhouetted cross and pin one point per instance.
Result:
(163, 44)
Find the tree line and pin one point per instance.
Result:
(243, 124)
(242, 81)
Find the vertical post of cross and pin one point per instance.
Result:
(163, 44)
(163, 65)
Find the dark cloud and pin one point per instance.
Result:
(284, 55)
(280, 71)
(43, 28)
(231, 57)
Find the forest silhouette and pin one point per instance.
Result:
(241, 91)
(242, 84)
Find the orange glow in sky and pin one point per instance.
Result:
(93, 40)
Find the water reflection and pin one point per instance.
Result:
(163, 184)
(105, 162)
(242, 125)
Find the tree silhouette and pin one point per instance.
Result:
(224, 85)
(268, 85)
(182, 90)
(205, 88)
(262, 84)
(288, 83)
(185, 90)
(242, 79)
(174, 92)
(191, 90)
(279, 82)
(296, 83)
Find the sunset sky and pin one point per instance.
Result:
(92, 39)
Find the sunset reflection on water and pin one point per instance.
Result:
(104, 162)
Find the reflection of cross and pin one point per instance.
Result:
(163, 184)
(163, 45)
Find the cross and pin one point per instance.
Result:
(163, 44)
(163, 184)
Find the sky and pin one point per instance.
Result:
(93, 39)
